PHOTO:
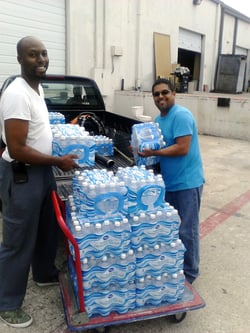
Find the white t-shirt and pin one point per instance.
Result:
(20, 101)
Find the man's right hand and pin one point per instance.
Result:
(67, 162)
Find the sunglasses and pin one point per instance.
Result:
(163, 93)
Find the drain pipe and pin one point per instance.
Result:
(95, 34)
(104, 28)
(138, 47)
(99, 27)
(219, 43)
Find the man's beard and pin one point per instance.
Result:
(164, 109)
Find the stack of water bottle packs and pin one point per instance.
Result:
(128, 237)
(56, 118)
(104, 145)
(146, 135)
(74, 139)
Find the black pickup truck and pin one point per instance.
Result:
(80, 101)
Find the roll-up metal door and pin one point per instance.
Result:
(43, 19)
(189, 40)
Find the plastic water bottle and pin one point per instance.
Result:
(145, 190)
(152, 230)
(100, 241)
(104, 194)
(109, 283)
(70, 139)
(88, 150)
(110, 271)
(76, 188)
(56, 118)
(149, 261)
(134, 221)
(160, 258)
(147, 292)
(146, 135)
(105, 302)
(109, 203)
(174, 284)
(104, 145)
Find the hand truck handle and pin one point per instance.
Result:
(60, 212)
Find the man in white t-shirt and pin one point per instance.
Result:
(26, 182)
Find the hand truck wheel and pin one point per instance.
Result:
(101, 329)
(178, 317)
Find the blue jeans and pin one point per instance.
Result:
(187, 202)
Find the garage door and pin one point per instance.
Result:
(44, 19)
(189, 40)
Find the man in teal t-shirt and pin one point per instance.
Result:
(181, 168)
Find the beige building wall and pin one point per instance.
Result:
(112, 40)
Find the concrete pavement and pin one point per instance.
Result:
(224, 282)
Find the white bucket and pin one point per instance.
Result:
(137, 110)
(144, 118)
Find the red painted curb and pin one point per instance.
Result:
(223, 214)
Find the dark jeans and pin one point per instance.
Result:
(29, 232)
(187, 202)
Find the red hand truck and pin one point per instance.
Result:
(75, 314)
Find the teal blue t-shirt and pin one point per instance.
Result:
(180, 172)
